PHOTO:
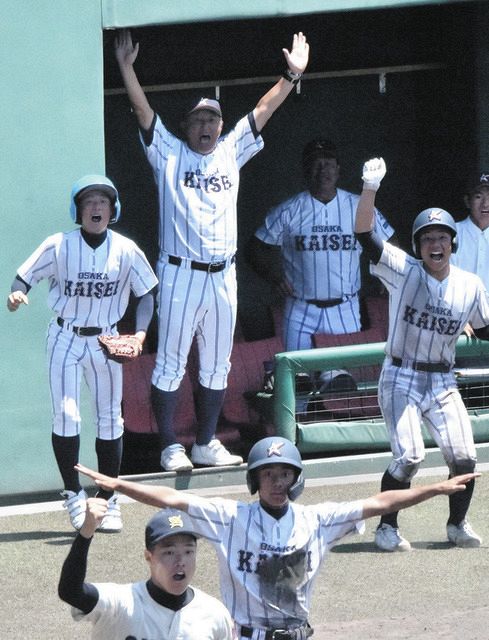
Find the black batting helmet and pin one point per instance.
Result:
(275, 450)
(433, 217)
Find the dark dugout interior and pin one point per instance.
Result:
(423, 121)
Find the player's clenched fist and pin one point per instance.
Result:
(373, 172)
(15, 299)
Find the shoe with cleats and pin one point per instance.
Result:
(213, 454)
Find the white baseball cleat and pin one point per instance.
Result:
(388, 538)
(213, 454)
(463, 535)
(76, 503)
(174, 458)
(112, 521)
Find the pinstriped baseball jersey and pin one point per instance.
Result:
(320, 253)
(426, 315)
(268, 566)
(89, 287)
(198, 193)
(473, 250)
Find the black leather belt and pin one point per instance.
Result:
(430, 367)
(325, 304)
(84, 332)
(300, 633)
(210, 267)
(332, 302)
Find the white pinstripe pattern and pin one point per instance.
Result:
(407, 399)
(198, 193)
(195, 303)
(87, 288)
(268, 566)
(426, 318)
(321, 256)
(321, 260)
(198, 221)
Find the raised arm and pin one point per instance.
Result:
(373, 172)
(156, 496)
(296, 60)
(389, 501)
(126, 53)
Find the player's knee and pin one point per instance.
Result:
(460, 467)
(404, 471)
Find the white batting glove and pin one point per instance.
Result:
(373, 172)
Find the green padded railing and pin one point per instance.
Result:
(364, 434)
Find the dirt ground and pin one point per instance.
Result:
(434, 592)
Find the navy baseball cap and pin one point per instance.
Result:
(166, 523)
(206, 103)
(319, 148)
(477, 181)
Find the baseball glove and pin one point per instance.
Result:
(120, 348)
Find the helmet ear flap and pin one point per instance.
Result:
(252, 481)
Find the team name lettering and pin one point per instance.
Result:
(90, 289)
(215, 184)
(324, 228)
(326, 242)
(90, 275)
(248, 562)
(431, 322)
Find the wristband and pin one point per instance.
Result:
(290, 76)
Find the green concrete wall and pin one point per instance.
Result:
(52, 132)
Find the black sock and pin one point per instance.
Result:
(66, 451)
(164, 404)
(389, 483)
(109, 456)
(459, 504)
(209, 405)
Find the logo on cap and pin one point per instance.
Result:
(435, 215)
(275, 449)
(484, 178)
(175, 521)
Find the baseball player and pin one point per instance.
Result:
(270, 551)
(197, 180)
(473, 232)
(430, 304)
(320, 254)
(91, 272)
(163, 607)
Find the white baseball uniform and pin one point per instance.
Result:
(321, 260)
(126, 611)
(426, 316)
(268, 566)
(473, 250)
(197, 223)
(88, 288)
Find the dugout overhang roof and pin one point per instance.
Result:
(133, 13)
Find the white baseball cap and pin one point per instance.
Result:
(206, 103)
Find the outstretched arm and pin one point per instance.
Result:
(159, 496)
(296, 60)
(126, 54)
(389, 501)
(72, 587)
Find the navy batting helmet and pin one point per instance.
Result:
(430, 218)
(100, 183)
(275, 450)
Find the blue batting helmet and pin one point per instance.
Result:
(430, 218)
(275, 450)
(102, 183)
